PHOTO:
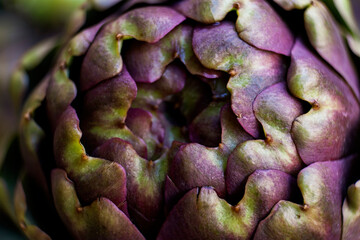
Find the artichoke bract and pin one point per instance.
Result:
(198, 119)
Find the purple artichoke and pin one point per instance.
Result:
(192, 119)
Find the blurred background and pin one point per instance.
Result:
(25, 22)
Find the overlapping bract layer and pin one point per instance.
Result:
(168, 146)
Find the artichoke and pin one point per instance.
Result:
(192, 119)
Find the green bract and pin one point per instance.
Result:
(193, 119)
